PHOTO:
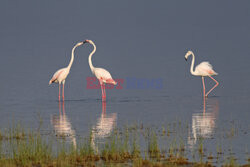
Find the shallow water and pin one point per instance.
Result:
(218, 123)
(37, 41)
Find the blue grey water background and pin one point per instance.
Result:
(141, 39)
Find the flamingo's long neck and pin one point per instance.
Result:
(192, 65)
(90, 56)
(72, 57)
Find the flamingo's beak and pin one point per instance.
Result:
(86, 41)
(186, 59)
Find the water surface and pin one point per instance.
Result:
(142, 39)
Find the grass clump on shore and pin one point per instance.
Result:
(120, 148)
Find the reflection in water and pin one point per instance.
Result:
(62, 126)
(203, 124)
(104, 126)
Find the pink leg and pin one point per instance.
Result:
(63, 110)
(217, 83)
(104, 107)
(59, 92)
(59, 105)
(104, 91)
(204, 88)
(204, 105)
(63, 93)
(101, 83)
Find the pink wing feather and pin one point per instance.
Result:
(56, 75)
(205, 68)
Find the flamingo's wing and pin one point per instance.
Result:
(205, 68)
(56, 75)
(102, 73)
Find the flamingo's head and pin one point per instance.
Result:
(87, 41)
(188, 54)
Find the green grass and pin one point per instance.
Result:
(121, 148)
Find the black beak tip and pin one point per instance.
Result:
(185, 58)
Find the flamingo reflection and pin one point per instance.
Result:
(203, 124)
(62, 126)
(104, 126)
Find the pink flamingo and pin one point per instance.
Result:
(101, 74)
(61, 74)
(203, 69)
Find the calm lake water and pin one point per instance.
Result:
(222, 123)
(37, 41)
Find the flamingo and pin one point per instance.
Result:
(101, 74)
(203, 69)
(61, 74)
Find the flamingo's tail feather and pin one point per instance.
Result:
(111, 81)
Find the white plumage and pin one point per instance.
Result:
(61, 74)
(203, 69)
(101, 74)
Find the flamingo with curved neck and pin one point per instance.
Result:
(203, 69)
(61, 74)
(101, 74)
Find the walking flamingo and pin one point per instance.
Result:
(101, 74)
(61, 74)
(203, 69)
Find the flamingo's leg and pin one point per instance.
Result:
(63, 92)
(104, 107)
(59, 92)
(204, 88)
(101, 83)
(63, 109)
(204, 105)
(217, 83)
(59, 105)
(104, 91)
